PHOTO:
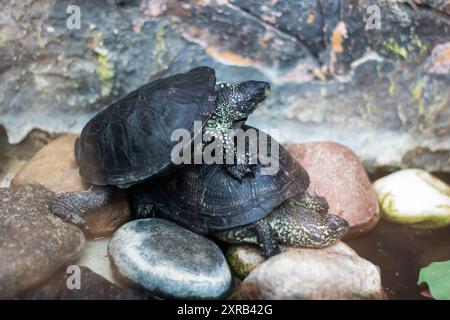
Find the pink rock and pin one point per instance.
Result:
(337, 174)
(312, 274)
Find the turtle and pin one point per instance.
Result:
(262, 209)
(131, 141)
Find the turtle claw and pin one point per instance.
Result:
(78, 220)
(71, 206)
(269, 250)
(268, 244)
(65, 211)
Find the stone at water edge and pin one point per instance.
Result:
(413, 196)
(169, 261)
(244, 258)
(337, 174)
(312, 275)
(92, 287)
(33, 242)
(55, 167)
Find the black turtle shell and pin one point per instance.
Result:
(205, 198)
(130, 141)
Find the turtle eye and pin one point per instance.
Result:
(256, 91)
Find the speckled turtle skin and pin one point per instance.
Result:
(301, 221)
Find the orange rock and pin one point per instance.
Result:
(337, 174)
(55, 167)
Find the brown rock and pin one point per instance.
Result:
(92, 287)
(55, 167)
(313, 275)
(337, 174)
(33, 242)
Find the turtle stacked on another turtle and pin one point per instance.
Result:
(260, 208)
(131, 141)
(129, 145)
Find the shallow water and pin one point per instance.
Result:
(400, 251)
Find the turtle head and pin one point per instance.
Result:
(251, 94)
(237, 102)
(313, 230)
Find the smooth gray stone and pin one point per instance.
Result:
(169, 261)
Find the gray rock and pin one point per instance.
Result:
(92, 287)
(332, 79)
(169, 261)
(33, 242)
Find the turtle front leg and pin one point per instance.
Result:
(268, 244)
(71, 206)
(239, 171)
(141, 204)
(241, 167)
(317, 204)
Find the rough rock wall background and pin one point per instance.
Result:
(383, 92)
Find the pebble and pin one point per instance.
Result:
(413, 196)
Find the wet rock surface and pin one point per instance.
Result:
(33, 242)
(313, 274)
(91, 287)
(55, 167)
(337, 174)
(333, 76)
(415, 197)
(169, 261)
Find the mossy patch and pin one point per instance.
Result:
(241, 268)
(417, 94)
(160, 44)
(105, 70)
(395, 48)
